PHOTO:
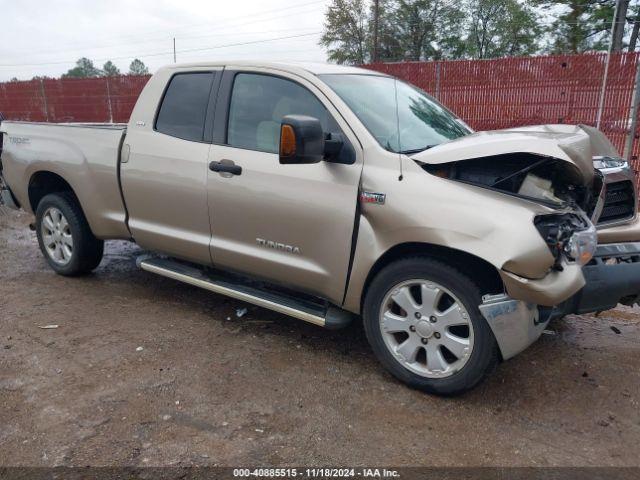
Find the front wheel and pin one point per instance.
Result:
(422, 320)
(64, 236)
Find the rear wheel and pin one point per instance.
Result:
(64, 235)
(422, 320)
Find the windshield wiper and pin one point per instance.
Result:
(417, 150)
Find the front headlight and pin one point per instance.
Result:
(571, 235)
(582, 245)
(609, 162)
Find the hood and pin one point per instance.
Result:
(574, 144)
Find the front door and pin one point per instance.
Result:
(291, 224)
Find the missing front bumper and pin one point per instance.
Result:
(612, 277)
(514, 323)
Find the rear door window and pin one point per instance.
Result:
(184, 106)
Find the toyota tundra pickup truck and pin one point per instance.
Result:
(326, 193)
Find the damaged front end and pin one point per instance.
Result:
(551, 166)
(550, 181)
(548, 164)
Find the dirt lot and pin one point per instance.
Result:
(208, 388)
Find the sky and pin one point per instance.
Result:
(45, 38)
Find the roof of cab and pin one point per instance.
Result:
(316, 68)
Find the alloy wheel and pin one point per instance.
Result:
(426, 328)
(56, 236)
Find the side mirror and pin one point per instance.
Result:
(301, 140)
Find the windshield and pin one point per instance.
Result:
(418, 123)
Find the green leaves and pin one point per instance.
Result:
(346, 32)
(447, 29)
(110, 70)
(84, 69)
(501, 28)
(138, 68)
(429, 29)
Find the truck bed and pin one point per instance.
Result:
(85, 155)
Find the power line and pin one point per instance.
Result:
(81, 49)
(208, 24)
(168, 52)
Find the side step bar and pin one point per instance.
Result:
(322, 314)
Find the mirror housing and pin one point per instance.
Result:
(302, 140)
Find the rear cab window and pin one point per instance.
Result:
(183, 109)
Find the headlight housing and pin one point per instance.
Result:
(571, 235)
(582, 245)
(610, 162)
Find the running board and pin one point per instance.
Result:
(324, 315)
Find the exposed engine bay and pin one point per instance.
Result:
(546, 180)
(553, 182)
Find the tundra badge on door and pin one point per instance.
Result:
(277, 245)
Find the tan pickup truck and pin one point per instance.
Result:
(327, 193)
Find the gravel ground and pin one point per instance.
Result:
(143, 370)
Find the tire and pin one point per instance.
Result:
(84, 251)
(422, 358)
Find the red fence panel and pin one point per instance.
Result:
(487, 94)
(124, 92)
(23, 101)
(76, 100)
(511, 92)
(104, 99)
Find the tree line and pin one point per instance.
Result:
(365, 31)
(85, 68)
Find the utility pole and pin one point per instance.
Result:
(376, 19)
(606, 66)
(174, 49)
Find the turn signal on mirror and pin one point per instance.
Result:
(287, 141)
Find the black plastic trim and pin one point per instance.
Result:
(354, 242)
(211, 107)
(119, 174)
(606, 284)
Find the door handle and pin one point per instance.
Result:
(225, 166)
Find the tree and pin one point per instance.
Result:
(389, 48)
(110, 70)
(500, 28)
(347, 35)
(138, 68)
(84, 69)
(584, 25)
(428, 29)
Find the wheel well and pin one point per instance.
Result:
(479, 270)
(44, 183)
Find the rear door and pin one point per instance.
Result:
(291, 224)
(164, 180)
